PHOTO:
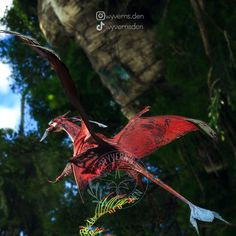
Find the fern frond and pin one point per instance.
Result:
(107, 205)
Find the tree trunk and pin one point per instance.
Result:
(124, 59)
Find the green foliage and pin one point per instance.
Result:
(29, 204)
(25, 166)
(107, 205)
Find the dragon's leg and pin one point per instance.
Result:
(67, 171)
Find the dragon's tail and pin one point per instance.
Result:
(197, 213)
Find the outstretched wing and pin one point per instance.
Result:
(143, 135)
(62, 72)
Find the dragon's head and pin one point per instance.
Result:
(55, 125)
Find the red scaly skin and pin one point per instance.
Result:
(140, 137)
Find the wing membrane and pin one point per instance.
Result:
(142, 136)
(63, 74)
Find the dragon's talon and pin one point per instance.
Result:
(53, 181)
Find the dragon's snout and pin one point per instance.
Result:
(47, 131)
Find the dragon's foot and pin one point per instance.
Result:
(67, 171)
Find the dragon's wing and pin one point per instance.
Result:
(62, 72)
(143, 135)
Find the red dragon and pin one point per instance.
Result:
(140, 137)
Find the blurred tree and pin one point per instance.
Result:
(196, 40)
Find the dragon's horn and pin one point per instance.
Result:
(75, 119)
(66, 114)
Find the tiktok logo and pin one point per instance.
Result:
(99, 26)
(100, 16)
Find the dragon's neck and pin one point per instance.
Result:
(71, 129)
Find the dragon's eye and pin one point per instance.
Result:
(54, 124)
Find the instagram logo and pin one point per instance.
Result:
(100, 15)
